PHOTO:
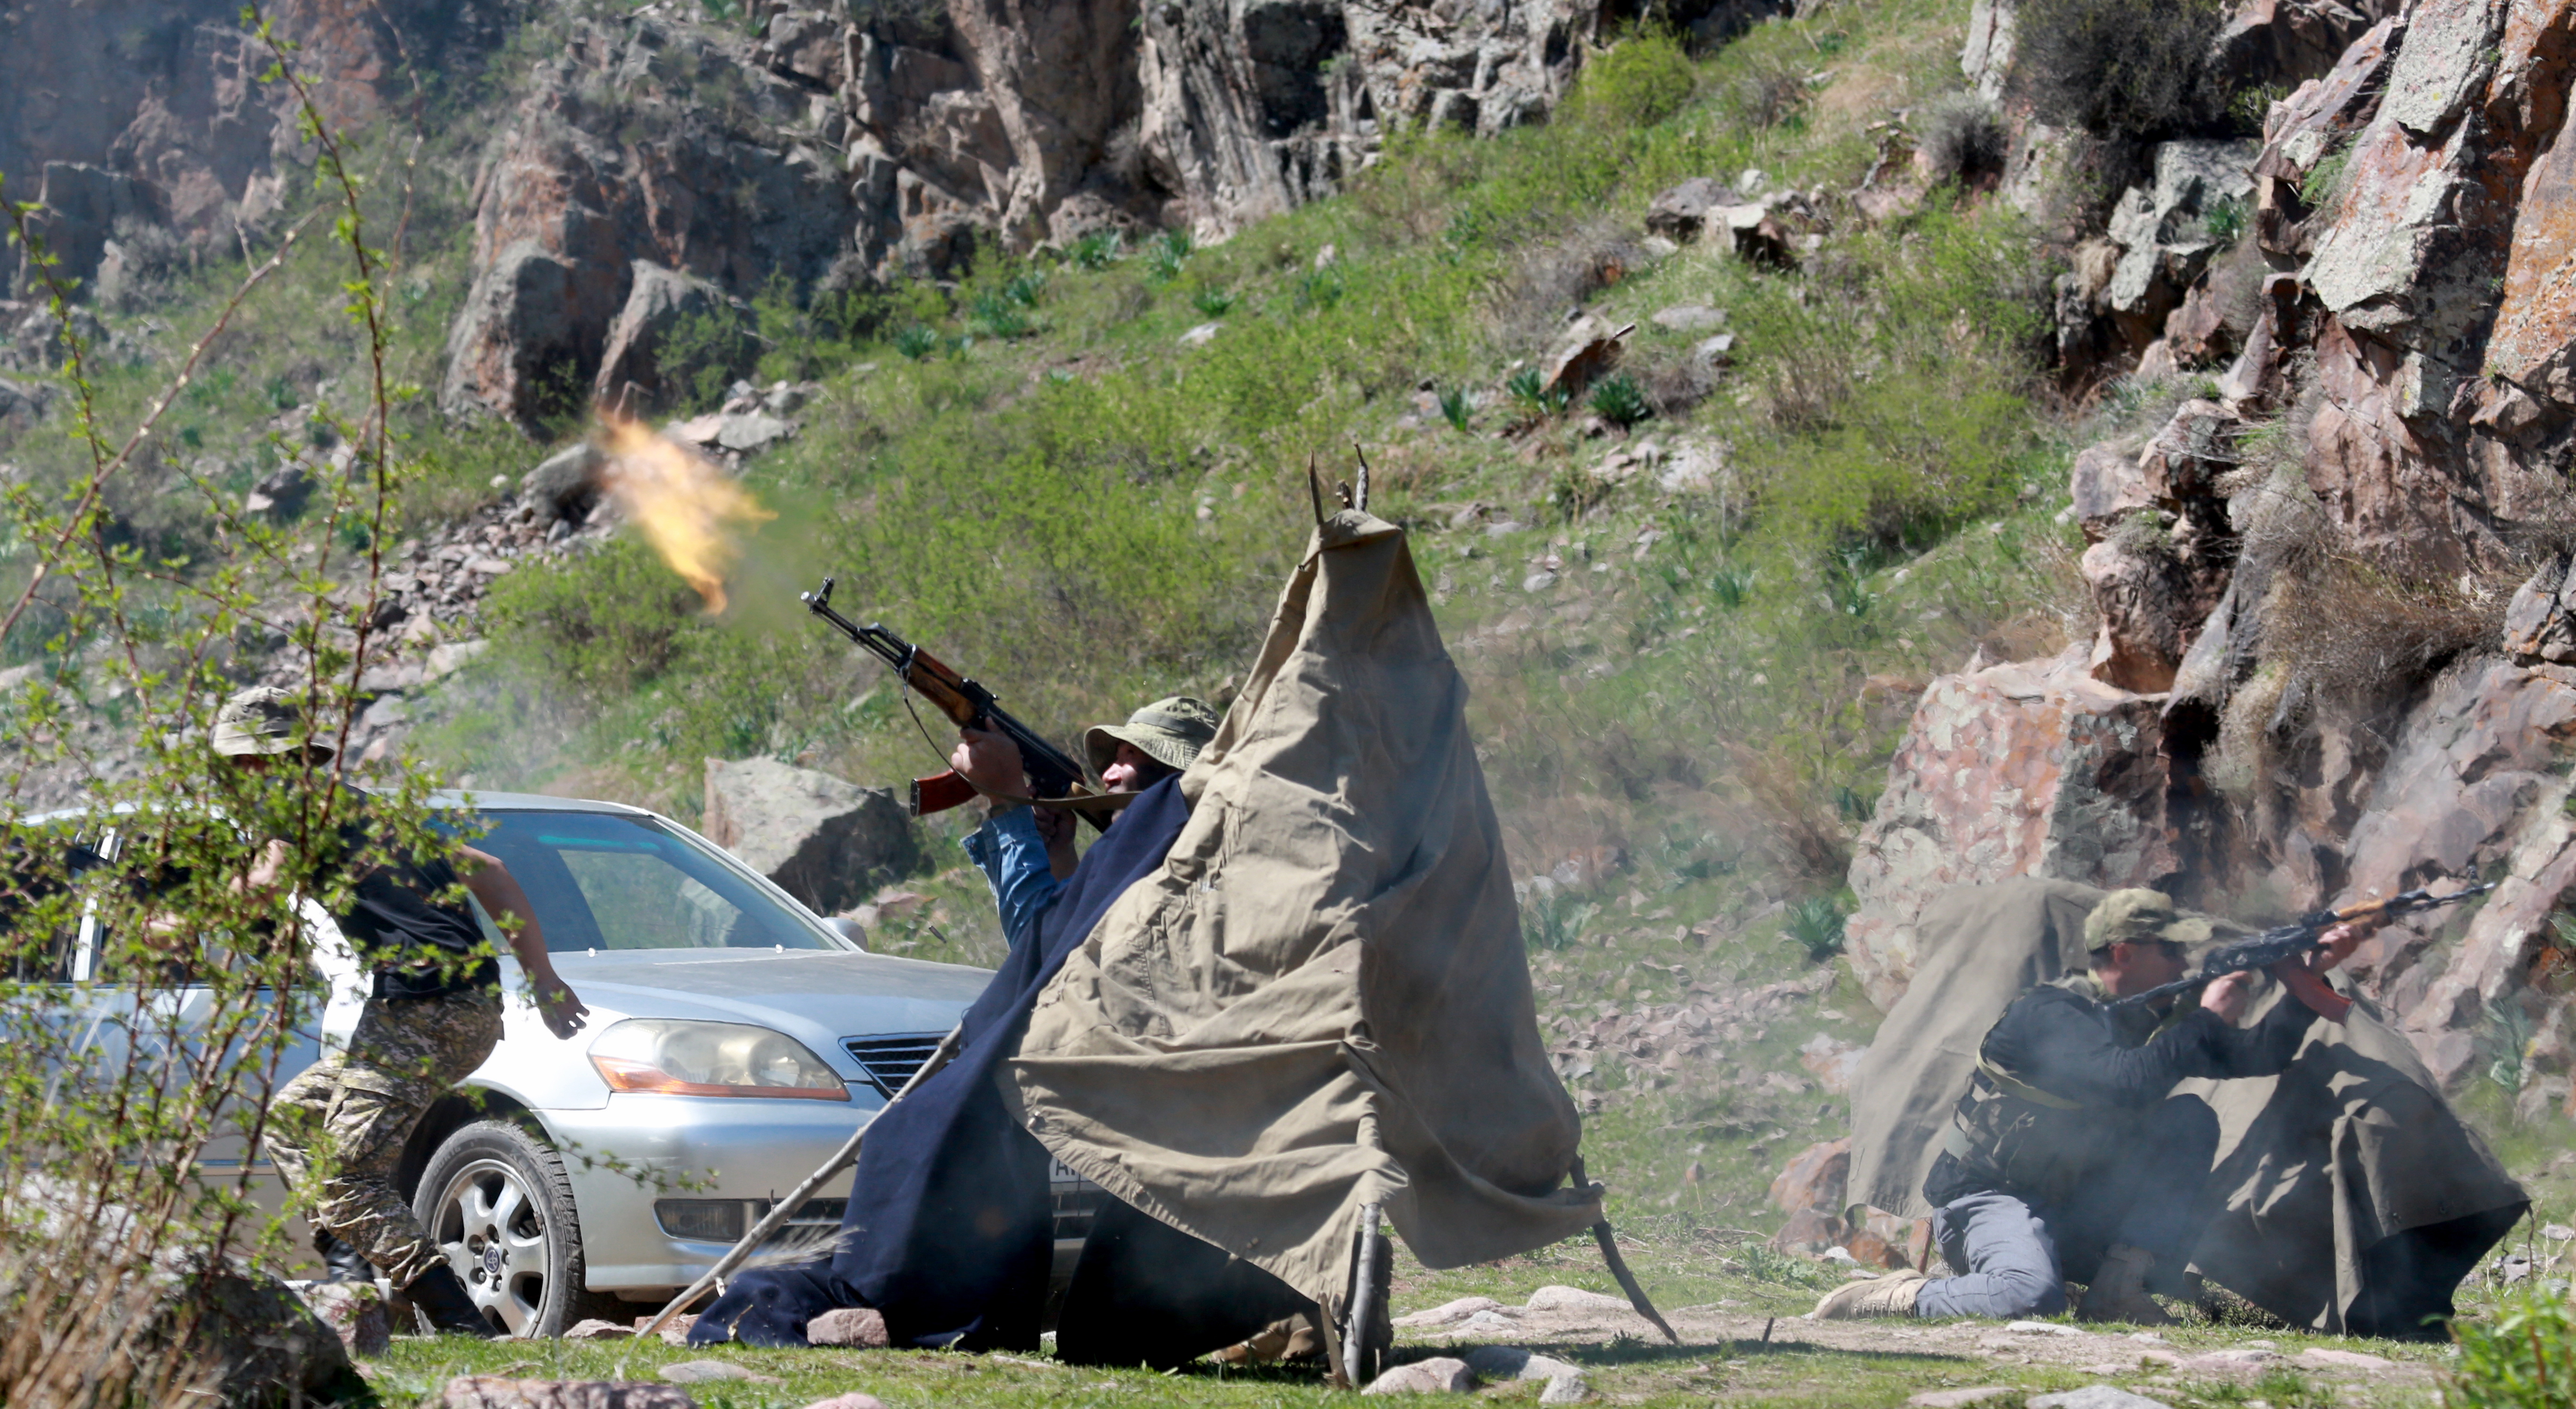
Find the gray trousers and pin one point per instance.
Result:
(2017, 1255)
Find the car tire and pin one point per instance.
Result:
(497, 1202)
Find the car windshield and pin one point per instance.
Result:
(606, 881)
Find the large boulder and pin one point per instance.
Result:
(584, 190)
(660, 302)
(827, 842)
(2163, 229)
(2033, 768)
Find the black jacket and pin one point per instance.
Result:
(2061, 1073)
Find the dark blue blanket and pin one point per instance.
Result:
(950, 1230)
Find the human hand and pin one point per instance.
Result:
(270, 865)
(990, 761)
(2226, 998)
(559, 1007)
(2336, 945)
(1055, 828)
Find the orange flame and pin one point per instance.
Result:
(687, 507)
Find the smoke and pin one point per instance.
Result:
(686, 507)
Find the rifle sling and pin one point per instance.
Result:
(2023, 1090)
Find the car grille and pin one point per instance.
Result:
(1076, 1199)
(891, 1061)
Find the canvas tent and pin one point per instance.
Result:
(2351, 1198)
(1284, 991)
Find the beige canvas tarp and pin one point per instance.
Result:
(1322, 1000)
(2341, 1176)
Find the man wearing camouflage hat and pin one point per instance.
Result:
(2070, 1157)
(1026, 853)
(432, 1016)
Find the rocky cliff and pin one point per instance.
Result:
(2335, 645)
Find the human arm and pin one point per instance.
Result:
(505, 899)
(2063, 1044)
(1012, 852)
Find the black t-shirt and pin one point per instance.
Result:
(418, 947)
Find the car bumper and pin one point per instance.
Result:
(640, 1149)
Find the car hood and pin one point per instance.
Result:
(819, 997)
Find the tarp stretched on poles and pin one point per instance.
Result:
(1321, 1001)
(1283, 987)
(2354, 1199)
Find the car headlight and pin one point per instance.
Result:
(682, 1058)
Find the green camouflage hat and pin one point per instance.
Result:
(262, 720)
(1171, 732)
(2138, 916)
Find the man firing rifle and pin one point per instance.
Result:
(2069, 1158)
(1026, 852)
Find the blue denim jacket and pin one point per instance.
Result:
(1014, 861)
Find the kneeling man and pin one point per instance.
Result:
(2070, 1158)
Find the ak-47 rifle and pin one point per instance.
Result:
(1051, 774)
(2296, 938)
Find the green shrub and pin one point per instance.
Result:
(1454, 409)
(1096, 250)
(2521, 1357)
(2125, 69)
(1554, 919)
(1213, 302)
(1730, 585)
(1531, 395)
(2225, 220)
(1165, 254)
(1815, 925)
(997, 316)
(2323, 184)
(703, 354)
(1961, 137)
(1643, 80)
(1619, 400)
(916, 342)
(1025, 287)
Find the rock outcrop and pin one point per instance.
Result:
(2331, 666)
(153, 110)
(827, 842)
(621, 200)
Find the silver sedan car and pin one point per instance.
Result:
(735, 1041)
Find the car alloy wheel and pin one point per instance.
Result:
(492, 1228)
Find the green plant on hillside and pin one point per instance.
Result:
(2522, 1356)
(1551, 918)
(1961, 137)
(916, 342)
(1619, 400)
(1769, 91)
(703, 354)
(1815, 926)
(1730, 585)
(2225, 220)
(1644, 79)
(2135, 70)
(1530, 396)
(1165, 255)
(998, 316)
(2323, 184)
(1455, 408)
(1213, 302)
(1760, 1264)
(1095, 250)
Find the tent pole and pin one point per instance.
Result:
(1619, 1265)
(841, 1159)
(1365, 1295)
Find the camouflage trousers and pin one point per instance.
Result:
(337, 1131)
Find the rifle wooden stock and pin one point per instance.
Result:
(940, 792)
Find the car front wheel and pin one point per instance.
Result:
(496, 1202)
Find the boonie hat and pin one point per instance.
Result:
(1170, 732)
(2140, 916)
(262, 720)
